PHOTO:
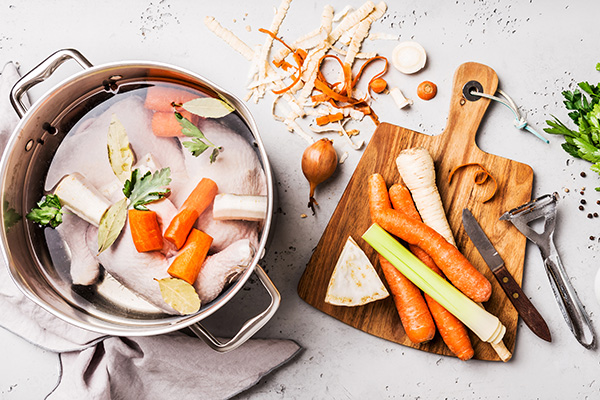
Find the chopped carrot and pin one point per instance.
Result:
(164, 124)
(378, 85)
(414, 314)
(325, 119)
(145, 231)
(452, 331)
(426, 90)
(457, 268)
(479, 178)
(198, 201)
(189, 261)
(160, 98)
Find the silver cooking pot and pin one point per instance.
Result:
(23, 170)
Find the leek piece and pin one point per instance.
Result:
(485, 325)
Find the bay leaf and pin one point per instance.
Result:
(179, 294)
(111, 224)
(208, 107)
(120, 155)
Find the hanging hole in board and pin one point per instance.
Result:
(469, 88)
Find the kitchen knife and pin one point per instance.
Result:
(524, 307)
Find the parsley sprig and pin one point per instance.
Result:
(199, 143)
(583, 142)
(47, 212)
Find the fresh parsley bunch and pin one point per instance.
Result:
(584, 142)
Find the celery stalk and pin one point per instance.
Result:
(485, 325)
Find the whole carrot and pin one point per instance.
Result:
(145, 231)
(457, 268)
(189, 261)
(203, 194)
(452, 331)
(412, 309)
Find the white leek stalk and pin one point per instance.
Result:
(485, 325)
(82, 198)
(239, 207)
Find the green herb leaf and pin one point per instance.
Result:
(47, 212)
(130, 183)
(180, 295)
(208, 107)
(150, 188)
(11, 216)
(120, 154)
(195, 146)
(111, 224)
(200, 143)
(598, 67)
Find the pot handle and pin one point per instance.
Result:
(250, 327)
(42, 72)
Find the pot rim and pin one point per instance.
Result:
(169, 323)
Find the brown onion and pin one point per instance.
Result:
(318, 163)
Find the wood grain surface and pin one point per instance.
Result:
(456, 145)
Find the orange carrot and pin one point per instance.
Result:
(145, 231)
(159, 98)
(412, 309)
(194, 205)
(452, 331)
(416, 319)
(188, 262)
(164, 124)
(457, 268)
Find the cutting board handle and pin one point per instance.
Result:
(466, 115)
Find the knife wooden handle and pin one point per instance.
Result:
(525, 308)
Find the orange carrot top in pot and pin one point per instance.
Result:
(198, 201)
(145, 231)
(189, 261)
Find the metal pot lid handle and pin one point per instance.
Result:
(250, 327)
(40, 73)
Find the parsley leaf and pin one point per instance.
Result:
(11, 216)
(149, 188)
(47, 212)
(200, 143)
(584, 110)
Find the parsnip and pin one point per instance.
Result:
(83, 199)
(418, 172)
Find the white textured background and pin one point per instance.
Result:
(537, 48)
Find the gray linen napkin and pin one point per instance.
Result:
(173, 366)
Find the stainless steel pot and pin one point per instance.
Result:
(23, 171)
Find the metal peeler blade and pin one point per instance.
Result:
(566, 296)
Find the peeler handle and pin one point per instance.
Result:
(568, 301)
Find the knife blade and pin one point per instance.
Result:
(519, 300)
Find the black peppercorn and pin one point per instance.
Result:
(590, 215)
(582, 174)
(581, 208)
(582, 201)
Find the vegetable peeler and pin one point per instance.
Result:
(568, 301)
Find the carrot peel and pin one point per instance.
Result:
(479, 178)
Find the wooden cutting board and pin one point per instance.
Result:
(456, 145)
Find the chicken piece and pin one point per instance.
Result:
(237, 170)
(136, 271)
(85, 268)
(222, 268)
(85, 150)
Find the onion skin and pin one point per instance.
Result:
(319, 162)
